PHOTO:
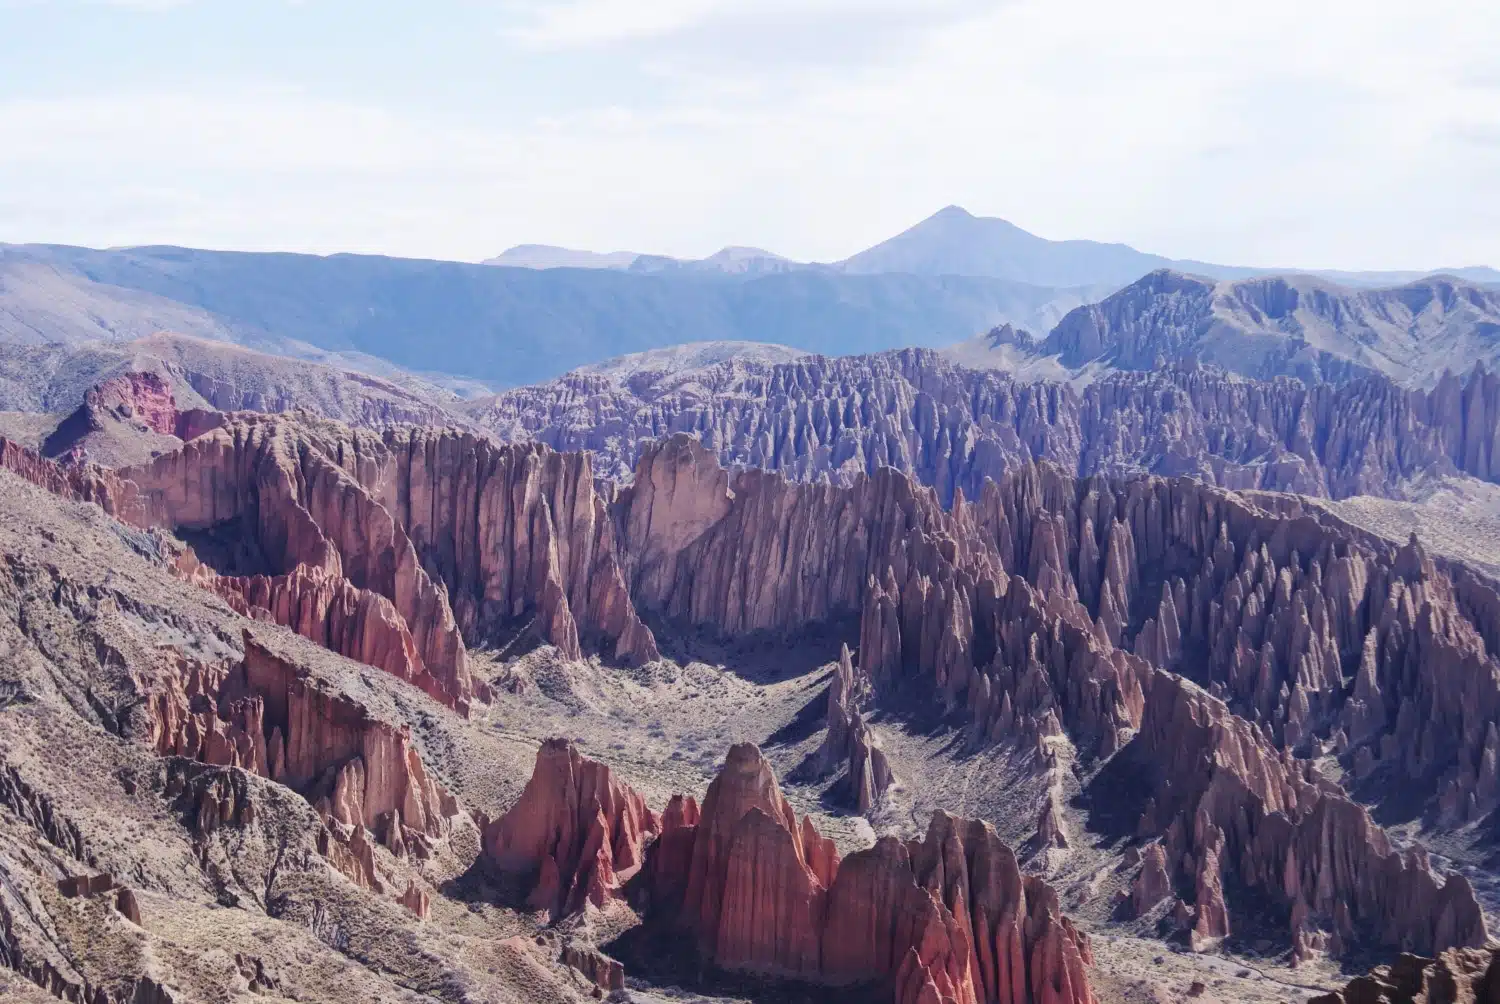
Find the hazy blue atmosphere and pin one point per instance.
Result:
(1325, 135)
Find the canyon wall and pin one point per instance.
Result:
(266, 496)
(1049, 607)
(1056, 606)
(76, 482)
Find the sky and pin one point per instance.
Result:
(1283, 133)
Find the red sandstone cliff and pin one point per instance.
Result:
(1051, 606)
(290, 505)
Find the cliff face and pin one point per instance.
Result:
(1049, 607)
(1024, 606)
(1041, 652)
(413, 539)
(268, 496)
(76, 482)
(951, 427)
(509, 531)
(949, 918)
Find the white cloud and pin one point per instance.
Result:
(1293, 133)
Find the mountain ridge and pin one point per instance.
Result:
(954, 241)
(1265, 326)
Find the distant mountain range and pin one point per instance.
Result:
(547, 310)
(955, 242)
(504, 326)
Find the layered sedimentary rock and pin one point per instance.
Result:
(952, 428)
(752, 552)
(948, 918)
(269, 717)
(577, 833)
(1456, 976)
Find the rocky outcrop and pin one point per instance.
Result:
(128, 418)
(104, 885)
(952, 428)
(271, 718)
(1459, 975)
(599, 969)
(577, 834)
(1152, 883)
(850, 741)
(1225, 797)
(203, 374)
(949, 918)
(77, 482)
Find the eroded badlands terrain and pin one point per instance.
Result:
(916, 706)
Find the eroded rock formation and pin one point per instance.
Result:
(1460, 975)
(1228, 797)
(948, 918)
(269, 717)
(577, 833)
(78, 482)
(270, 496)
(850, 741)
(459, 535)
(952, 428)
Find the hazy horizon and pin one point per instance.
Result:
(1333, 136)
